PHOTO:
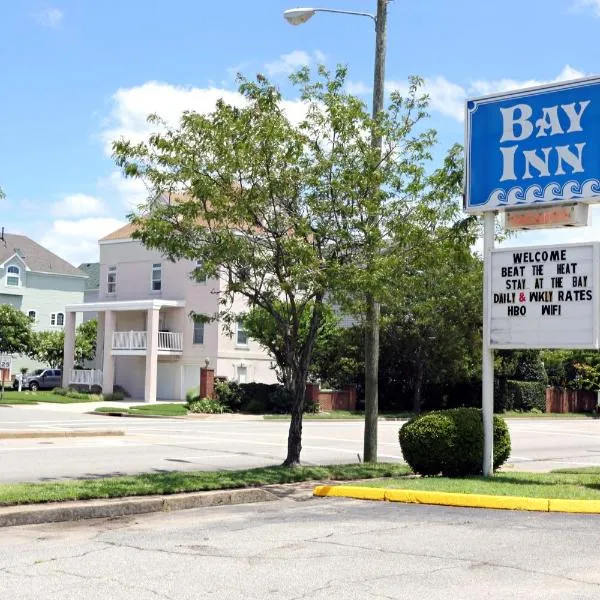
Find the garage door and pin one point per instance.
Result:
(191, 377)
(167, 383)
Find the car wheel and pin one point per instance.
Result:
(34, 386)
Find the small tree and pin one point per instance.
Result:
(85, 341)
(15, 331)
(281, 212)
(48, 347)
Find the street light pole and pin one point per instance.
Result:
(298, 16)
(373, 308)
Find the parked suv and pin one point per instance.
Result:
(41, 379)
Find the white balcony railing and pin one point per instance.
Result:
(138, 340)
(87, 377)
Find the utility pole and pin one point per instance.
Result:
(373, 308)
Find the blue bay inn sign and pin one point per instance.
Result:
(533, 147)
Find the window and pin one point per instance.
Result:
(199, 278)
(60, 319)
(242, 336)
(32, 314)
(111, 280)
(198, 333)
(242, 374)
(156, 277)
(13, 276)
(53, 319)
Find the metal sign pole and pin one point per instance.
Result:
(487, 371)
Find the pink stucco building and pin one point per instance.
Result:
(147, 341)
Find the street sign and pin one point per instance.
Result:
(545, 297)
(5, 362)
(533, 147)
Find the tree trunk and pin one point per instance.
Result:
(295, 435)
(418, 387)
(371, 379)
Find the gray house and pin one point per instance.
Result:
(39, 283)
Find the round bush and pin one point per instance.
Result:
(450, 442)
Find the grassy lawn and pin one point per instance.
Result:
(577, 484)
(177, 481)
(160, 410)
(12, 397)
(526, 415)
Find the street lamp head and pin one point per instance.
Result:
(297, 16)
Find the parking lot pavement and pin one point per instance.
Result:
(170, 444)
(317, 549)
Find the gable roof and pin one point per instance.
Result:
(92, 270)
(123, 233)
(35, 257)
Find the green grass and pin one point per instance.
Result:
(572, 485)
(26, 397)
(177, 481)
(159, 410)
(511, 414)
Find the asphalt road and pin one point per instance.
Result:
(317, 549)
(170, 444)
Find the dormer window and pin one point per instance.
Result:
(13, 276)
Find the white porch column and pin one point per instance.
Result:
(151, 355)
(69, 348)
(108, 365)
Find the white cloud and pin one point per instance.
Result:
(447, 98)
(594, 5)
(288, 63)
(78, 205)
(131, 107)
(77, 240)
(358, 88)
(320, 57)
(49, 17)
(130, 192)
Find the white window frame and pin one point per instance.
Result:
(13, 275)
(60, 316)
(35, 315)
(239, 328)
(53, 319)
(112, 270)
(156, 268)
(242, 369)
(194, 333)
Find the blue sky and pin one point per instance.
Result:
(76, 74)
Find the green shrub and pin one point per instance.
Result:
(193, 394)
(206, 406)
(256, 407)
(229, 394)
(114, 397)
(524, 395)
(59, 391)
(450, 442)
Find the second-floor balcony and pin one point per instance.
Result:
(136, 342)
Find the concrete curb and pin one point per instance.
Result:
(464, 500)
(35, 514)
(22, 435)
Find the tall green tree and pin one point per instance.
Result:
(281, 212)
(15, 331)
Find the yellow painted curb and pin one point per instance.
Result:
(469, 500)
(350, 491)
(574, 506)
(456, 499)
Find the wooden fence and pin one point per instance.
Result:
(561, 400)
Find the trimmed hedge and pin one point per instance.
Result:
(519, 395)
(450, 442)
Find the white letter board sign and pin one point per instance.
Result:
(545, 297)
